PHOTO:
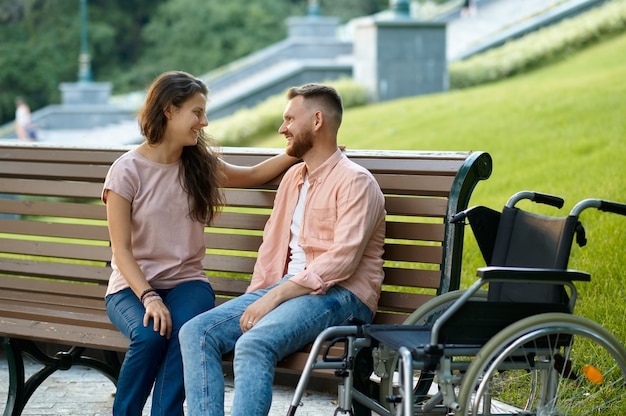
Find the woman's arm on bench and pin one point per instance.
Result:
(243, 176)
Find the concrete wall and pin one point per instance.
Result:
(400, 57)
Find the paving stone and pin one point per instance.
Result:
(82, 391)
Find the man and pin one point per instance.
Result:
(320, 264)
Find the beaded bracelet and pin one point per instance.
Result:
(145, 292)
(149, 299)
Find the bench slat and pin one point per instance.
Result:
(56, 171)
(405, 184)
(59, 250)
(249, 198)
(414, 253)
(410, 231)
(243, 221)
(235, 264)
(42, 187)
(441, 167)
(43, 153)
(232, 241)
(56, 286)
(61, 271)
(417, 207)
(57, 333)
(58, 303)
(402, 302)
(55, 229)
(429, 279)
(53, 209)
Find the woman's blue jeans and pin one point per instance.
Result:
(286, 329)
(152, 359)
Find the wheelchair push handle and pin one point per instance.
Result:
(537, 197)
(600, 204)
(614, 207)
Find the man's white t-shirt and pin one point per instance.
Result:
(297, 261)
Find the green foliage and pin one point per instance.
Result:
(214, 32)
(23, 72)
(242, 127)
(540, 48)
(348, 9)
(40, 45)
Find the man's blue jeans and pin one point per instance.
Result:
(150, 356)
(286, 329)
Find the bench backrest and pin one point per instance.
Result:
(53, 229)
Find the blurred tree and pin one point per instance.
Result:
(349, 9)
(38, 49)
(200, 35)
(116, 28)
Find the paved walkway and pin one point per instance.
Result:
(82, 391)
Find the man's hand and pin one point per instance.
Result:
(256, 311)
(281, 293)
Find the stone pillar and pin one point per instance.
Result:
(397, 56)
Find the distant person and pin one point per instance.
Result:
(469, 8)
(159, 197)
(24, 127)
(320, 263)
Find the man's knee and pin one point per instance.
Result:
(256, 345)
(189, 331)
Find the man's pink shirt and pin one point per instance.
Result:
(342, 234)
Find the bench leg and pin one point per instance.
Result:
(20, 389)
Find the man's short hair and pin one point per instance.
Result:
(323, 95)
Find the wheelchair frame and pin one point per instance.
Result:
(537, 346)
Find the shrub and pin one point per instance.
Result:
(541, 47)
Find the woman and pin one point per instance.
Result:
(159, 197)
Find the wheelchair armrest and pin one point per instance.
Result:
(532, 274)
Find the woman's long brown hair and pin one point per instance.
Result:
(201, 173)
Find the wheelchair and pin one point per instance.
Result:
(514, 348)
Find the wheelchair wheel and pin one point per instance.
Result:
(429, 311)
(547, 364)
(424, 315)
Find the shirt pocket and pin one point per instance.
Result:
(322, 223)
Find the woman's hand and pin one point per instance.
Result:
(161, 317)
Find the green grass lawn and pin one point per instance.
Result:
(560, 130)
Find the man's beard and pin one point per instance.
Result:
(300, 145)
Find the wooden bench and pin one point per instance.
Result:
(54, 247)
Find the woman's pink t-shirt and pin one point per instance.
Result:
(167, 244)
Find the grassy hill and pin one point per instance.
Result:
(560, 130)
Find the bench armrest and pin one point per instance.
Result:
(534, 274)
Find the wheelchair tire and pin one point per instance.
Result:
(547, 364)
(424, 315)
